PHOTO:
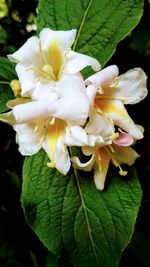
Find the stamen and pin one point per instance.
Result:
(52, 121)
(51, 164)
(16, 87)
(100, 90)
(110, 150)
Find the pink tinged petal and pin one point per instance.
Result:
(101, 168)
(87, 166)
(75, 136)
(64, 39)
(28, 54)
(8, 118)
(104, 77)
(119, 115)
(131, 86)
(123, 139)
(29, 137)
(100, 124)
(76, 62)
(125, 155)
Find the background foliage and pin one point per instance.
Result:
(18, 245)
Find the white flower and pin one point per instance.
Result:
(118, 153)
(114, 91)
(43, 62)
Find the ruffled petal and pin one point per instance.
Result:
(101, 168)
(72, 104)
(28, 53)
(104, 77)
(64, 39)
(76, 62)
(29, 137)
(75, 136)
(125, 155)
(87, 166)
(119, 115)
(130, 87)
(100, 124)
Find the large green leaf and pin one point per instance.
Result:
(7, 74)
(101, 24)
(69, 214)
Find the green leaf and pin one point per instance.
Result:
(7, 74)
(101, 24)
(69, 214)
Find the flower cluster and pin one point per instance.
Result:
(55, 108)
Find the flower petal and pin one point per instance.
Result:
(119, 115)
(87, 166)
(101, 168)
(29, 137)
(75, 136)
(76, 62)
(64, 39)
(54, 146)
(100, 124)
(8, 117)
(131, 86)
(72, 104)
(123, 139)
(27, 79)
(104, 77)
(28, 53)
(31, 111)
(61, 157)
(125, 155)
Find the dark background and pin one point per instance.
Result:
(19, 247)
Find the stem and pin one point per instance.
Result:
(4, 82)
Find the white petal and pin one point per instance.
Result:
(44, 91)
(100, 169)
(100, 124)
(64, 39)
(27, 79)
(29, 137)
(28, 53)
(73, 103)
(31, 111)
(76, 62)
(87, 166)
(91, 92)
(104, 77)
(131, 86)
(61, 157)
(75, 136)
(125, 155)
(119, 115)
(53, 144)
